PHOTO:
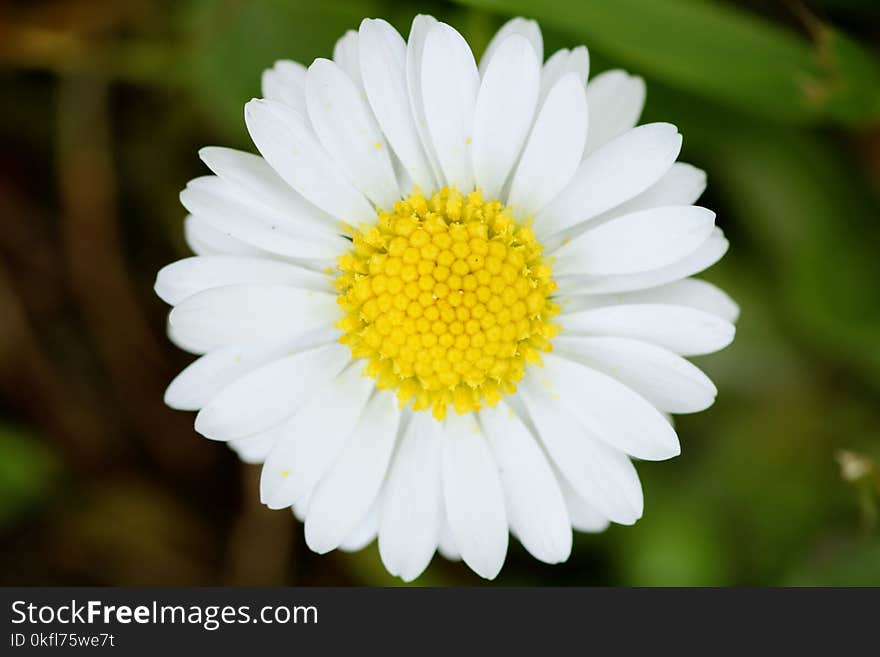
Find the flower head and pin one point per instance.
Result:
(447, 302)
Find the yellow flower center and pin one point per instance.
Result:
(448, 298)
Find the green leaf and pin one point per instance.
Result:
(850, 88)
(721, 52)
(229, 45)
(804, 210)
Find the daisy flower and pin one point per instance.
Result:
(447, 302)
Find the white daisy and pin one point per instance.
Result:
(447, 302)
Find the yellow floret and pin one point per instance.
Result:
(448, 299)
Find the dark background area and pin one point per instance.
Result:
(104, 105)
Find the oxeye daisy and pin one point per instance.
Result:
(447, 302)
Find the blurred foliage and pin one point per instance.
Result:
(718, 51)
(27, 469)
(104, 106)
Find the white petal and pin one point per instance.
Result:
(270, 231)
(288, 144)
(683, 184)
(412, 510)
(474, 498)
(345, 55)
(621, 169)
(583, 517)
(347, 130)
(254, 449)
(314, 437)
(345, 495)
(528, 29)
(285, 82)
(616, 100)
(450, 83)
(535, 507)
(404, 180)
(242, 313)
(204, 240)
(184, 341)
(554, 148)
(683, 330)
(365, 531)
(668, 381)
(204, 378)
(612, 411)
(555, 63)
(300, 508)
(184, 278)
(262, 399)
(446, 547)
(600, 474)
(252, 177)
(415, 49)
(561, 63)
(504, 112)
(637, 242)
(701, 295)
(690, 292)
(710, 252)
(383, 64)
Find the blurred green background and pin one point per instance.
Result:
(104, 105)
